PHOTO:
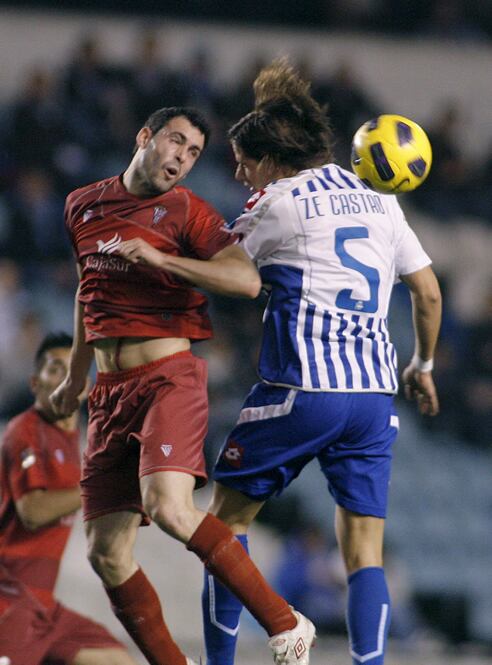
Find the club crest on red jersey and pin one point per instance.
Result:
(60, 455)
(159, 213)
(28, 458)
(233, 454)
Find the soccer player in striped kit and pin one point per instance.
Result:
(329, 251)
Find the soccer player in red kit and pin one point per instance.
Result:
(142, 241)
(39, 483)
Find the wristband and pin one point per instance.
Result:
(422, 365)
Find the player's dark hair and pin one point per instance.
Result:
(287, 125)
(161, 117)
(53, 340)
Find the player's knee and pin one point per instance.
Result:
(171, 517)
(108, 561)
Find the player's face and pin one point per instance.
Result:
(165, 158)
(49, 377)
(252, 173)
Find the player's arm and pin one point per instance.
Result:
(67, 397)
(229, 272)
(39, 508)
(426, 310)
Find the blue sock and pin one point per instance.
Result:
(221, 610)
(368, 615)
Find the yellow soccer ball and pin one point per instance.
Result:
(391, 154)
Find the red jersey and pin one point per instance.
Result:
(35, 454)
(122, 299)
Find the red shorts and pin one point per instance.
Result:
(147, 419)
(30, 634)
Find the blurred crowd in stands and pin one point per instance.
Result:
(457, 20)
(310, 575)
(77, 124)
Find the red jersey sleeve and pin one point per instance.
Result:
(206, 232)
(25, 462)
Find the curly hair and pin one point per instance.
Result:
(287, 124)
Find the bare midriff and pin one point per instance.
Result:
(115, 354)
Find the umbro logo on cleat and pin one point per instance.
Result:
(167, 449)
(292, 647)
(299, 648)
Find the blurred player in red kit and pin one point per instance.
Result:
(141, 242)
(39, 481)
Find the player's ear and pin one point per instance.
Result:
(143, 137)
(34, 383)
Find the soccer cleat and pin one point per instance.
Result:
(292, 646)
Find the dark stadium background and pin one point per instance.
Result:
(397, 16)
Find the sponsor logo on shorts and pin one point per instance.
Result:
(167, 449)
(233, 454)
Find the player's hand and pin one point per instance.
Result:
(138, 250)
(420, 387)
(66, 399)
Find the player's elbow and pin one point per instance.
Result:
(31, 520)
(430, 297)
(252, 287)
(244, 284)
(235, 274)
(31, 512)
(424, 288)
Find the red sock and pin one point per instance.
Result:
(137, 606)
(225, 557)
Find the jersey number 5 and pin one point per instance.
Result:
(344, 297)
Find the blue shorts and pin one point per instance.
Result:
(280, 430)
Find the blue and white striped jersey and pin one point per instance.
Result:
(330, 250)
